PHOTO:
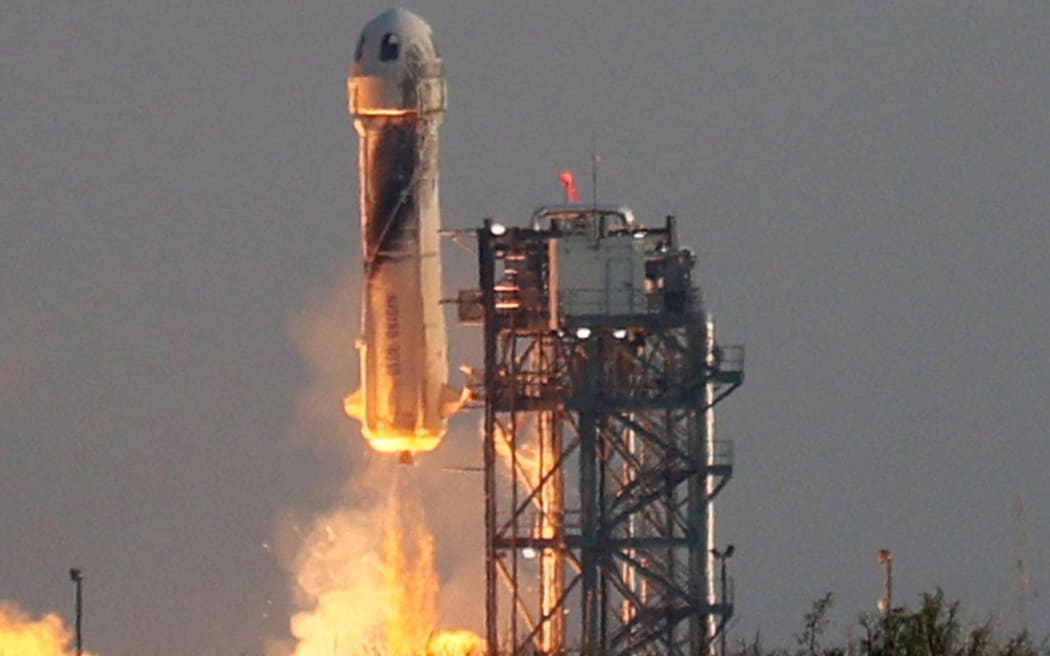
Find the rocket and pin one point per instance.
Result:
(396, 93)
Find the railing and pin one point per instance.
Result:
(617, 302)
(730, 358)
(722, 453)
(576, 302)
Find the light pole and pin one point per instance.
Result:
(76, 577)
(722, 557)
(886, 560)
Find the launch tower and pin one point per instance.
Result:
(601, 467)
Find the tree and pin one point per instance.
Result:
(814, 624)
(934, 629)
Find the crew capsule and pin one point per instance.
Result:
(396, 70)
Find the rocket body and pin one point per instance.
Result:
(396, 95)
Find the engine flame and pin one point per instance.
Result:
(411, 583)
(21, 634)
(367, 576)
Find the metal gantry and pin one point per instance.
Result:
(601, 466)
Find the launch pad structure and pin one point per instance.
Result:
(601, 467)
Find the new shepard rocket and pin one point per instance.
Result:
(396, 95)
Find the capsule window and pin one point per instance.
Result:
(360, 50)
(389, 47)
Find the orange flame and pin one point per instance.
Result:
(369, 578)
(456, 643)
(21, 634)
(411, 583)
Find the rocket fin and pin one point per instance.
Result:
(452, 400)
(353, 406)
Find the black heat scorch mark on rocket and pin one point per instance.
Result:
(392, 217)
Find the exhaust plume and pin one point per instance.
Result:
(364, 573)
(23, 635)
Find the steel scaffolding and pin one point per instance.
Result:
(601, 466)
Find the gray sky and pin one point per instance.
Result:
(866, 185)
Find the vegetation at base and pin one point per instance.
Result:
(932, 629)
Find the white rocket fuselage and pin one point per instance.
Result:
(396, 94)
